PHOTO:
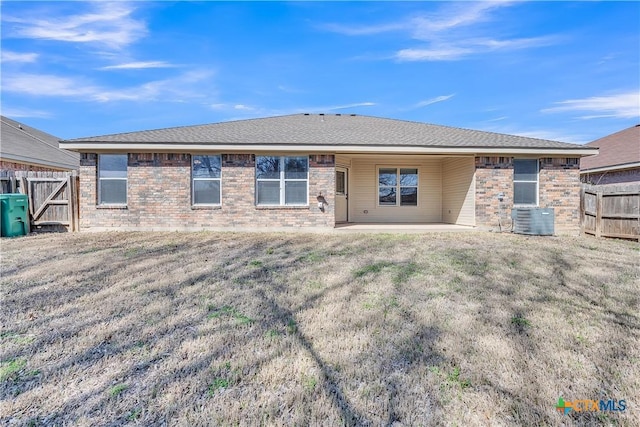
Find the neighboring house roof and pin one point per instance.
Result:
(620, 150)
(323, 132)
(24, 144)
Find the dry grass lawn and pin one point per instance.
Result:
(294, 329)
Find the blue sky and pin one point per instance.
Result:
(568, 71)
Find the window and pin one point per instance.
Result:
(112, 179)
(282, 180)
(525, 181)
(205, 174)
(398, 186)
(341, 183)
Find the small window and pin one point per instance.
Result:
(205, 174)
(398, 187)
(341, 181)
(282, 180)
(525, 182)
(112, 179)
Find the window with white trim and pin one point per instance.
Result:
(282, 180)
(112, 179)
(206, 171)
(397, 186)
(525, 182)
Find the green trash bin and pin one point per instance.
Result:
(14, 215)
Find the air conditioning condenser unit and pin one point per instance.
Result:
(533, 221)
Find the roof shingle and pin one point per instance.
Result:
(617, 149)
(24, 143)
(328, 130)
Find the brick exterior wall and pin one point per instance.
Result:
(159, 196)
(14, 167)
(494, 175)
(558, 188)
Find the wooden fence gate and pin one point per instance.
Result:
(611, 210)
(53, 198)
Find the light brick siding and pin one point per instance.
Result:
(159, 196)
(559, 188)
(494, 175)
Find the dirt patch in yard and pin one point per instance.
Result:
(279, 329)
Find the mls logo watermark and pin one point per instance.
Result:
(588, 405)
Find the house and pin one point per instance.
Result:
(319, 170)
(23, 148)
(618, 160)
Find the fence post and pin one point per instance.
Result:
(24, 189)
(71, 204)
(638, 216)
(76, 198)
(598, 213)
(582, 209)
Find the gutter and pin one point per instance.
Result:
(611, 168)
(106, 147)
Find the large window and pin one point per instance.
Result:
(525, 182)
(205, 174)
(398, 186)
(112, 179)
(282, 180)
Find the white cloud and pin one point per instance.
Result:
(139, 65)
(346, 106)
(439, 54)
(623, 105)
(498, 119)
(426, 25)
(448, 34)
(434, 100)
(453, 16)
(364, 30)
(242, 107)
(456, 50)
(108, 24)
(25, 112)
(8, 56)
(514, 44)
(46, 85)
(175, 89)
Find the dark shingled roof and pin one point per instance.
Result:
(22, 143)
(617, 149)
(328, 130)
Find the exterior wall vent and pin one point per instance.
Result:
(533, 221)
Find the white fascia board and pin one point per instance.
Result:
(612, 168)
(344, 149)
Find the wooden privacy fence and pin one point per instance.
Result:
(53, 198)
(611, 210)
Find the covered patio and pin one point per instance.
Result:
(405, 190)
